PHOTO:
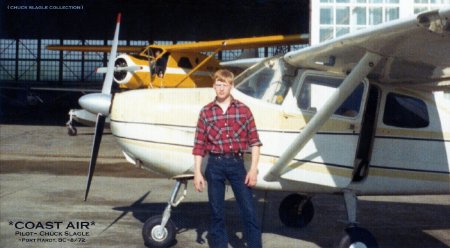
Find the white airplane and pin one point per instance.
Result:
(353, 116)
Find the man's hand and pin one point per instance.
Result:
(252, 174)
(199, 182)
(251, 178)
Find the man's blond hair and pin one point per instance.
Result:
(223, 75)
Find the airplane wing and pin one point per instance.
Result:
(82, 89)
(241, 43)
(65, 89)
(202, 46)
(241, 63)
(103, 49)
(411, 52)
(415, 51)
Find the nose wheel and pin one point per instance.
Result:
(354, 236)
(71, 129)
(357, 237)
(156, 235)
(159, 231)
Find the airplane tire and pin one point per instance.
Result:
(296, 211)
(72, 131)
(153, 237)
(356, 237)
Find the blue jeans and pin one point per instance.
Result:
(232, 169)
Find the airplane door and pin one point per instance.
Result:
(328, 158)
(365, 143)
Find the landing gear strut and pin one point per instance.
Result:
(355, 236)
(160, 231)
(71, 129)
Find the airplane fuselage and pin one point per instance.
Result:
(363, 146)
(179, 71)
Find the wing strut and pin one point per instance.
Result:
(361, 70)
(202, 63)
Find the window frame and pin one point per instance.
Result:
(300, 80)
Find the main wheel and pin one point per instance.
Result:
(155, 236)
(356, 237)
(296, 211)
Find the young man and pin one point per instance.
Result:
(225, 130)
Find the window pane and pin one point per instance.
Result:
(326, 1)
(7, 69)
(28, 49)
(27, 70)
(72, 71)
(342, 1)
(375, 16)
(419, 9)
(392, 14)
(360, 15)
(49, 70)
(7, 49)
(257, 84)
(72, 54)
(392, 1)
(405, 111)
(90, 68)
(47, 54)
(326, 34)
(185, 63)
(352, 104)
(93, 55)
(342, 31)
(361, 1)
(375, 1)
(326, 15)
(343, 15)
(316, 89)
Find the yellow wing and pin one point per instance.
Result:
(202, 46)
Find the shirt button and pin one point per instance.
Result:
(226, 124)
(230, 147)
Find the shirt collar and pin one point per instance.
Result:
(213, 104)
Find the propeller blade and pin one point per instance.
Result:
(107, 84)
(100, 104)
(95, 148)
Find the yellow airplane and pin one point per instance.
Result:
(169, 66)
(178, 65)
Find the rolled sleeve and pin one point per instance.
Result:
(253, 137)
(200, 137)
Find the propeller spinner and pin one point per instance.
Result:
(99, 104)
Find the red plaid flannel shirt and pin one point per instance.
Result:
(231, 132)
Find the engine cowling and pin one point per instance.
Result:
(135, 73)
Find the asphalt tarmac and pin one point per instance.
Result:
(42, 183)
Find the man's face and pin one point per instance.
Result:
(222, 89)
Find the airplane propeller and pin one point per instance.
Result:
(99, 104)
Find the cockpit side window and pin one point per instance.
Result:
(317, 89)
(405, 111)
(266, 82)
(185, 63)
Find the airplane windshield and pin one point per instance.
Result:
(264, 81)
